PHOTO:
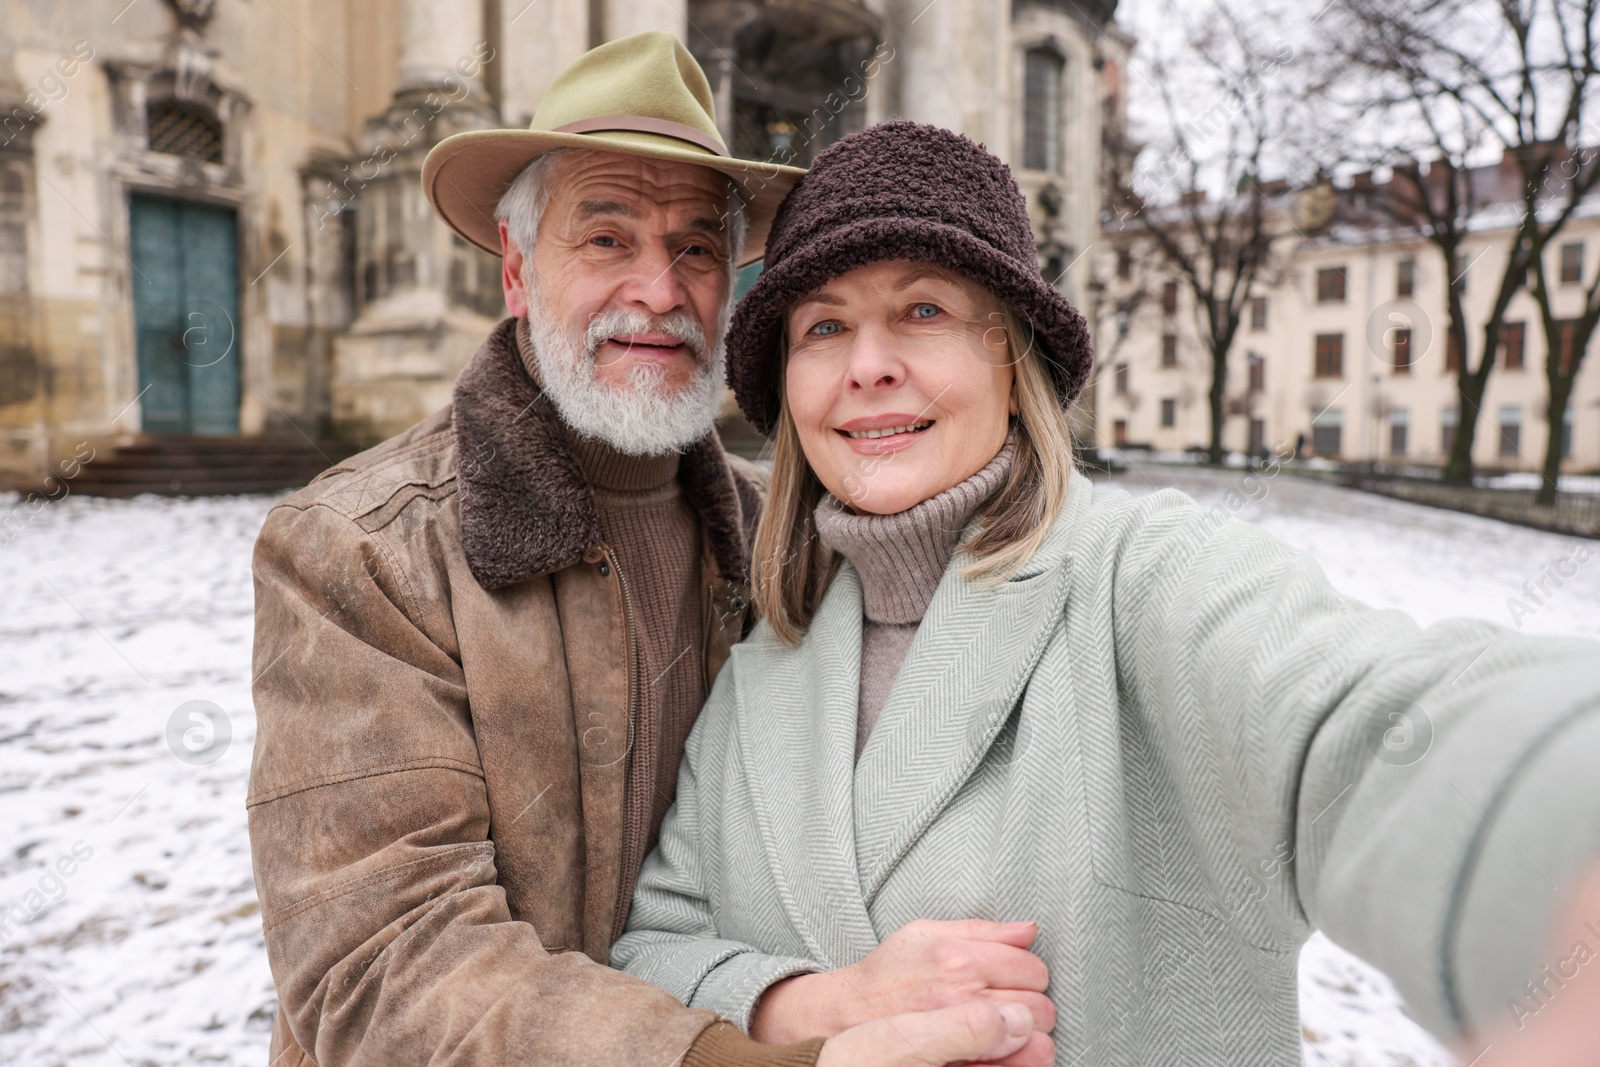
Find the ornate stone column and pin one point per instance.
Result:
(424, 297)
(434, 34)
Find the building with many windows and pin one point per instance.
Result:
(1345, 353)
(211, 224)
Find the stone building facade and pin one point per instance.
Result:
(211, 223)
(1343, 350)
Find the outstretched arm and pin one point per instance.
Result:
(1424, 796)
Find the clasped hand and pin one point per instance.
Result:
(939, 992)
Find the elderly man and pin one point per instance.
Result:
(481, 645)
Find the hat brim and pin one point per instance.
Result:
(465, 176)
(1060, 331)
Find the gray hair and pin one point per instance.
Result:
(528, 195)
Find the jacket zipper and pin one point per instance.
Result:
(632, 712)
(707, 605)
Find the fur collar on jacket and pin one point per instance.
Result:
(526, 509)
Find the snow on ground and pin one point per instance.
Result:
(129, 929)
(150, 950)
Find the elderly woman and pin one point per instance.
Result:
(983, 689)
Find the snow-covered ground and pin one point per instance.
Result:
(134, 936)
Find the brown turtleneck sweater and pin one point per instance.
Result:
(901, 558)
(655, 537)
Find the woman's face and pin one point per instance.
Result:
(899, 383)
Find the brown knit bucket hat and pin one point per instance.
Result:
(900, 190)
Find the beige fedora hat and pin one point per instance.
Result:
(642, 95)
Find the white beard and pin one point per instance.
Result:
(645, 418)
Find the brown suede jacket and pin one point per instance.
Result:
(444, 710)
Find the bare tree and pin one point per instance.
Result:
(1195, 192)
(1444, 78)
(1565, 346)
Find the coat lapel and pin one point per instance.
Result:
(798, 740)
(962, 677)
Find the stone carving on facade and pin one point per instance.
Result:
(193, 15)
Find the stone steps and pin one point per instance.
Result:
(202, 466)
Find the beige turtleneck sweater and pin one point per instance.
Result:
(901, 558)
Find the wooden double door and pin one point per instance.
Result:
(186, 315)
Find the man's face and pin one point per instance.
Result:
(626, 295)
(641, 237)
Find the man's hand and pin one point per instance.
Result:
(974, 1031)
(922, 967)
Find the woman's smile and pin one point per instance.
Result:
(877, 435)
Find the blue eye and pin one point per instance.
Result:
(925, 311)
(825, 329)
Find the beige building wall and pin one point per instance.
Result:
(1370, 395)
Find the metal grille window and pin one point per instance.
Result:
(182, 129)
(1399, 429)
(1169, 350)
(1566, 340)
(1405, 280)
(1258, 313)
(1330, 355)
(1572, 263)
(1513, 339)
(1401, 359)
(13, 231)
(1510, 430)
(1041, 109)
(1330, 285)
(1327, 431)
(1169, 413)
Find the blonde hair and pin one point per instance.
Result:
(791, 568)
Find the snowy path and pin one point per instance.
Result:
(149, 951)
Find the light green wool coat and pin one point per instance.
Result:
(1172, 743)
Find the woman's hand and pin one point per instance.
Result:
(974, 1031)
(923, 966)
(1562, 1028)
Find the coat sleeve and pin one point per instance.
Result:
(1423, 795)
(389, 939)
(672, 938)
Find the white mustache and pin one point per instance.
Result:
(679, 325)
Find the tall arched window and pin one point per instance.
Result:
(1041, 109)
(180, 128)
